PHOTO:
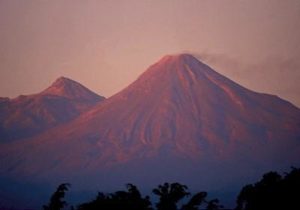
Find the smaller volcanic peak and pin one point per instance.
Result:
(28, 115)
(70, 89)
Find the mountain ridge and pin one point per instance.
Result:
(201, 102)
(180, 121)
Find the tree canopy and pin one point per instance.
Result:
(56, 200)
(273, 191)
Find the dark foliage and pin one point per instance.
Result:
(273, 191)
(56, 200)
(195, 201)
(120, 200)
(214, 205)
(169, 196)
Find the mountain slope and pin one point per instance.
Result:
(179, 121)
(26, 116)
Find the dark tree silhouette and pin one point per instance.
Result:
(171, 194)
(56, 200)
(214, 205)
(272, 192)
(102, 201)
(291, 185)
(195, 201)
(120, 200)
(131, 199)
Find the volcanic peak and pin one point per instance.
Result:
(180, 63)
(60, 85)
(68, 88)
(177, 57)
(183, 67)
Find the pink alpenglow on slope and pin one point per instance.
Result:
(179, 121)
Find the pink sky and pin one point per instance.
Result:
(105, 45)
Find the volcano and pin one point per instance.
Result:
(179, 121)
(26, 116)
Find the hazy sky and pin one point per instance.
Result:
(106, 44)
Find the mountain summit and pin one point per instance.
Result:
(71, 89)
(179, 121)
(26, 116)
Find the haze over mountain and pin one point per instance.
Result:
(179, 121)
(29, 115)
